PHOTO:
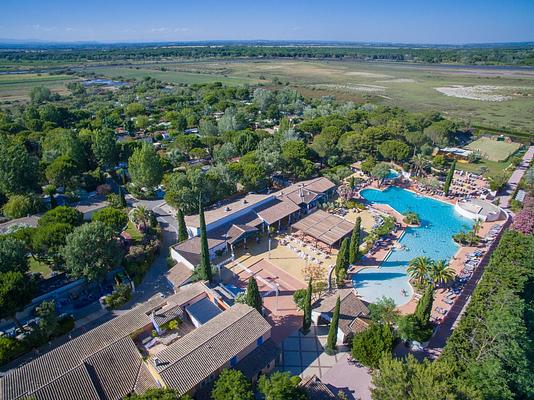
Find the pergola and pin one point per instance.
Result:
(324, 227)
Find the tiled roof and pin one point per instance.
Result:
(258, 359)
(75, 384)
(306, 191)
(197, 355)
(72, 354)
(316, 389)
(275, 211)
(96, 350)
(325, 227)
(351, 308)
(236, 232)
(109, 374)
(224, 210)
(179, 274)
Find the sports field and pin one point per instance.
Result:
(492, 149)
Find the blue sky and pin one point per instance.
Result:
(406, 21)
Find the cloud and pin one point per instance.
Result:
(164, 29)
(40, 28)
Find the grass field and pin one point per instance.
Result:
(500, 98)
(39, 267)
(492, 149)
(171, 75)
(17, 87)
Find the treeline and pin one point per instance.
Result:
(521, 55)
(490, 353)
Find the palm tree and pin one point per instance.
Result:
(141, 215)
(441, 273)
(477, 226)
(419, 163)
(419, 268)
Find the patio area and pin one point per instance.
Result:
(304, 355)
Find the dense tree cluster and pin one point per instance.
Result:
(513, 54)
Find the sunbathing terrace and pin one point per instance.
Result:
(107, 362)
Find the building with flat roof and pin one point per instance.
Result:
(456, 153)
(479, 209)
(121, 357)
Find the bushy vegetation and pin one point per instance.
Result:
(121, 294)
(489, 354)
(516, 54)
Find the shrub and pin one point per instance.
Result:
(21, 205)
(411, 218)
(10, 349)
(121, 294)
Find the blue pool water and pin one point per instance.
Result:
(432, 239)
(392, 175)
(233, 289)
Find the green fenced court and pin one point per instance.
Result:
(494, 150)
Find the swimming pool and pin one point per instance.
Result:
(432, 239)
(392, 174)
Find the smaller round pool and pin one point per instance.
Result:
(392, 175)
(373, 283)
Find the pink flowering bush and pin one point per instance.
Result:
(524, 219)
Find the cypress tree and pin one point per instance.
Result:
(53, 201)
(342, 261)
(424, 307)
(122, 198)
(331, 341)
(307, 308)
(253, 298)
(448, 180)
(204, 269)
(182, 228)
(355, 241)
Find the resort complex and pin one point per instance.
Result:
(264, 220)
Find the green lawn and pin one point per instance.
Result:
(492, 149)
(492, 167)
(133, 232)
(39, 267)
(17, 87)
(170, 76)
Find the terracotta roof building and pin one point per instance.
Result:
(353, 313)
(106, 362)
(234, 222)
(316, 389)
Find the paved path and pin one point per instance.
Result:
(154, 281)
(304, 355)
(514, 180)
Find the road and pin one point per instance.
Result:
(154, 281)
(516, 177)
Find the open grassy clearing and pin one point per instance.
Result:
(170, 75)
(17, 87)
(492, 149)
(39, 267)
(412, 87)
